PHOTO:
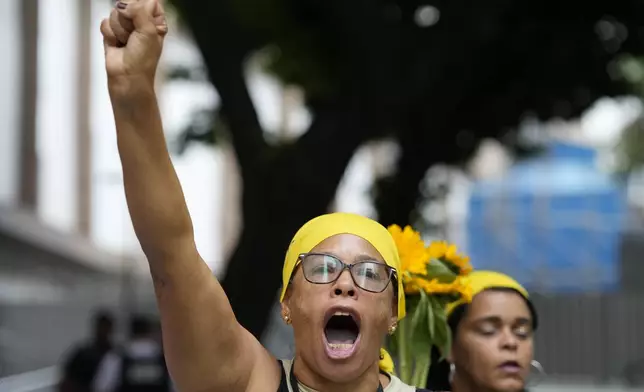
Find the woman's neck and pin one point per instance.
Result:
(366, 382)
(462, 385)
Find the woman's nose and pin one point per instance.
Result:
(344, 286)
(509, 340)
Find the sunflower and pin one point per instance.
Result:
(432, 276)
(434, 286)
(414, 256)
(448, 253)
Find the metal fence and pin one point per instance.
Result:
(590, 336)
(597, 336)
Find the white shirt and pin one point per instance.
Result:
(395, 384)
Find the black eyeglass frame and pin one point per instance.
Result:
(392, 273)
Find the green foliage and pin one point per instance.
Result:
(296, 50)
(441, 271)
(443, 335)
(420, 332)
(630, 148)
(629, 151)
(423, 340)
(632, 70)
(424, 327)
(481, 72)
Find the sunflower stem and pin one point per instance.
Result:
(421, 369)
(403, 350)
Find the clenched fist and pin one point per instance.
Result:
(133, 39)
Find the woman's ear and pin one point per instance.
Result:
(286, 312)
(393, 318)
(393, 325)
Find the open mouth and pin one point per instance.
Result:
(342, 332)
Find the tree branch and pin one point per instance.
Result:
(213, 23)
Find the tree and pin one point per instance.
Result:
(630, 148)
(438, 77)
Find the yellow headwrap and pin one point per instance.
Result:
(482, 280)
(319, 229)
(325, 226)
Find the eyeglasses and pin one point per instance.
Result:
(369, 275)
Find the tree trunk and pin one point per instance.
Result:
(299, 184)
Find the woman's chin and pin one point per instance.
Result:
(509, 385)
(339, 373)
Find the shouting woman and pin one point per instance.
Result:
(340, 294)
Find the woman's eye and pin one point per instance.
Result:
(523, 332)
(487, 330)
(371, 274)
(324, 269)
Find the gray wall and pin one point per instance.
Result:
(47, 302)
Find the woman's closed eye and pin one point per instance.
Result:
(490, 329)
(487, 329)
(522, 331)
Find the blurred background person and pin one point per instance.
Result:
(81, 365)
(139, 366)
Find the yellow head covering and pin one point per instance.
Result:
(482, 280)
(325, 226)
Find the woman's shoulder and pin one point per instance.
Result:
(397, 385)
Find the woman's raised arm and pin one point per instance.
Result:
(206, 348)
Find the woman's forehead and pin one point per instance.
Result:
(503, 304)
(349, 246)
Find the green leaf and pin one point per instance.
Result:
(403, 341)
(431, 319)
(439, 311)
(421, 311)
(436, 269)
(443, 338)
(421, 340)
(421, 369)
(411, 303)
(447, 346)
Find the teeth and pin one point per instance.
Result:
(341, 346)
(341, 314)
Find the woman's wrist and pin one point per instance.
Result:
(132, 98)
(130, 88)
